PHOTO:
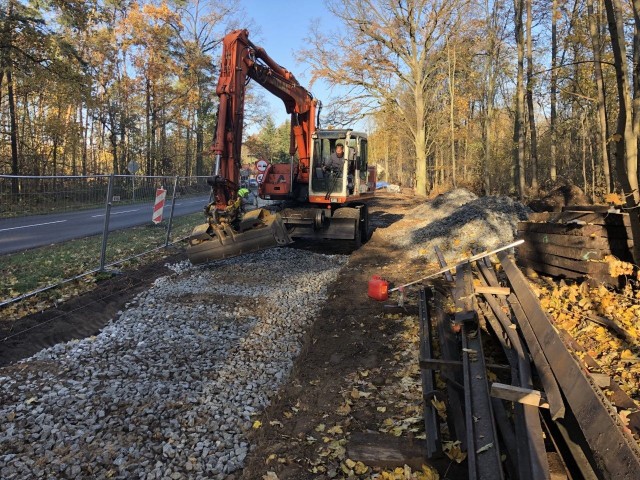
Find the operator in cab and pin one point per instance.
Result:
(335, 162)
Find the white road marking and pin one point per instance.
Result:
(116, 213)
(34, 225)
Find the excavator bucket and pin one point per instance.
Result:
(258, 230)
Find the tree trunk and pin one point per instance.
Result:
(84, 125)
(635, 114)
(583, 135)
(54, 158)
(532, 118)
(420, 141)
(74, 140)
(451, 62)
(187, 153)
(147, 119)
(518, 130)
(626, 139)
(593, 168)
(200, 113)
(124, 151)
(553, 173)
(386, 160)
(200, 170)
(113, 139)
(164, 157)
(13, 132)
(603, 127)
(6, 65)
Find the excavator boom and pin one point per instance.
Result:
(224, 234)
(325, 212)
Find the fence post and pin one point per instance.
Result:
(173, 206)
(105, 231)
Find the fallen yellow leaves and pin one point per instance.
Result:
(453, 451)
(584, 311)
(355, 394)
(344, 409)
(427, 473)
(440, 407)
(349, 467)
(617, 267)
(334, 449)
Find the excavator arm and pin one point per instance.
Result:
(225, 234)
(243, 61)
(321, 216)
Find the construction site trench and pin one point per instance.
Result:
(271, 365)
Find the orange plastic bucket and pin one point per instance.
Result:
(378, 288)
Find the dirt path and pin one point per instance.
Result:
(358, 371)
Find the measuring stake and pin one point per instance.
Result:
(461, 262)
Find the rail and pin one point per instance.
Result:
(550, 394)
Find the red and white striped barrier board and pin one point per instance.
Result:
(158, 207)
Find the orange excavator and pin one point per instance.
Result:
(320, 198)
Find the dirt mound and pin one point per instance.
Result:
(559, 197)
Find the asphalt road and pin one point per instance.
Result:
(22, 233)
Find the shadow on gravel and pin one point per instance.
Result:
(384, 220)
(448, 227)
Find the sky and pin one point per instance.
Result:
(280, 27)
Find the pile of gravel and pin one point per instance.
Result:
(458, 222)
(171, 386)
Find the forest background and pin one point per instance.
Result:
(499, 96)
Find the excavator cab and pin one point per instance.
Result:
(334, 210)
(337, 186)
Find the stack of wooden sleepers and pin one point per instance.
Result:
(574, 243)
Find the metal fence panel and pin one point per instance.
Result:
(47, 195)
(53, 229)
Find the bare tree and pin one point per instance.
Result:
(198, 28)
(603, 129)
(554, 90)
(627, 132)
(532, 117)
(451, 70)
(490, 70)
(518, 124)
(384, 47)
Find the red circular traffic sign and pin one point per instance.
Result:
(261, 165)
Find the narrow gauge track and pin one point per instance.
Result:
(27, 335)
(549, 413)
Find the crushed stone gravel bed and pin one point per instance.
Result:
(170, 387)
(457, 222)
